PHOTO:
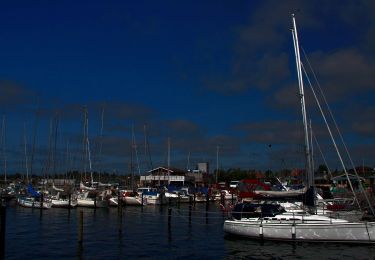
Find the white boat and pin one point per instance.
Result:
(133, 198)
(59, 201)
(91, 200)
(152, 196)
(273, 223)
(32, 202)
(281, 194)
(226, 195)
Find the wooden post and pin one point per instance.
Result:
(195, 195)
(178, 200)
(70, 201)
(80, 228)
(190, 213)
(222, 198)
(142, 199)
(232, 198)
(95, 201)
(3, 214)
(169, 216)
(207, 201)
(41, 200)
(118, 200)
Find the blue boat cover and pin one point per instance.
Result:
(32, 192)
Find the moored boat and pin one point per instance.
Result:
(272, 222)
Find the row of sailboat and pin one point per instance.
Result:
(96, 197)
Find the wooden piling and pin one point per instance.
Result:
(190, 207)
(41, 200)
(207, 201)
(70, 201)
(2, 231)
(95, 202)
(169, 216)
(80, 228)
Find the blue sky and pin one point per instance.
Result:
(202, 73)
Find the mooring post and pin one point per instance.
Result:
(95, 201)
(190, 213)
(41, 200)
(119, 202)
(169, 216)
(207, 201)
(70, 201)
(3, 214)
(195, 195)
(80, 228)
(142, 199)
(232, 198)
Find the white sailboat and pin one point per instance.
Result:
(272, 222)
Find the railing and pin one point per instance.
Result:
(162, 178)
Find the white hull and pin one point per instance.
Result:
(280, 194)
(31, 203)
(63, 203)
(91, 203)
(134, 201)
(312, 232)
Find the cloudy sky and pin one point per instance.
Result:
(202, 74)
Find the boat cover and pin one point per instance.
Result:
(32, 192)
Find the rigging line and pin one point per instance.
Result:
(26, 163)
(34, 140)
(100, 168)
(331, 135)
(134, 146)
(3, 138)
(147, 147)
(321, 153)
(338, 131)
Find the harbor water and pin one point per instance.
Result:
(148, 233)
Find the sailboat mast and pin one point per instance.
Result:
(303, 106)
(217, 163)
(3, 148)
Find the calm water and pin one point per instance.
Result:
(144, 234)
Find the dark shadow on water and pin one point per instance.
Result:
(80, 251)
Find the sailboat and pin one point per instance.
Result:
(272, 222)
(89, 196)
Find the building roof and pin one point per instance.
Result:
(170, 170)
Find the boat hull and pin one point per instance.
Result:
(31, 203)
(134, 201)
(64, 203)
(91, 203)
(309, 232)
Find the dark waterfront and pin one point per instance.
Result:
(145, 234)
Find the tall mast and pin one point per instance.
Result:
(169, 157)
(217, 163)
(25, 150)
(302, 101)
(3, 148)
